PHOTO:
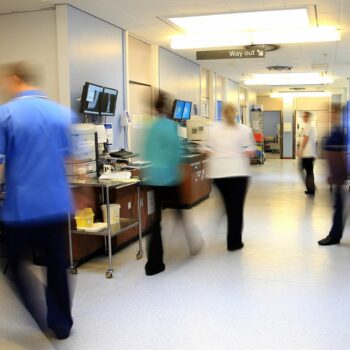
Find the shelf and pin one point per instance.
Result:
(103, 183)
(117, 229)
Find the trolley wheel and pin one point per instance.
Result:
(139, 255)
(109, 274)
(73, 271)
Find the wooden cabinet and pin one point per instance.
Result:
(196, 187)
(86, 246)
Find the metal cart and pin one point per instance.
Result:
(112, 230)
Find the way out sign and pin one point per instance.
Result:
(231, 54)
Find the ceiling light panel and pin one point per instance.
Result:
(300, 94)
(244, 21)
(282, 36)
(289, 79)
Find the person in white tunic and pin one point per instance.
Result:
(307, 152)
(231, 145)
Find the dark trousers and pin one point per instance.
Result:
(49, 238)
(338, 219)
(155, 245)
(307, 165)
(233, 191)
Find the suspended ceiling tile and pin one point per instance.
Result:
(329, 18)
(22, 5)
(329, 5)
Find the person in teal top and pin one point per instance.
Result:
(163, 151)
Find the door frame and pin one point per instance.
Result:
(281, 130)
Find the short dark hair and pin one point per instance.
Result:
(163, 103)
(336, 107)
(308, 114)
(27, 72)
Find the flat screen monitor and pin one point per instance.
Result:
(178, 109)
(109, 101)
(91, 99)
(186, 115)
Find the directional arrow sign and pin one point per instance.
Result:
(230, 54)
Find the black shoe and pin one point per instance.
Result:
(61, 332)
(151, 271)
(235, 247)
(309, 193)
(329, 241)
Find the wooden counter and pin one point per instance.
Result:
(194, 189)
(87, 246)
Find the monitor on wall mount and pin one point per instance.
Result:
(186, 115)
(91, 99)
(109, 102)
(178, 109)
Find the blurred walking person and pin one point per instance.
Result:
(307, 152)
(231, 145)
(164, 175)
(335, 151)
(34, 143)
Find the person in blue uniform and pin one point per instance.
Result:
(335, 150)
(34, 143)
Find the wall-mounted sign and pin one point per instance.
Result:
(231, 54)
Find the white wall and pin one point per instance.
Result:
(31, 36)
(233, 92)
(140, 93)
(288, 117)
(140, 63)
(180, 77)
(95, 50)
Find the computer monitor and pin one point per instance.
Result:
(109, 101)
(178, 109)
(91, 99)
(186, 115)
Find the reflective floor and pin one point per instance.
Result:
(282, 291)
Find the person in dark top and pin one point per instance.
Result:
(335, 149)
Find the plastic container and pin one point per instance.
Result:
(84, 218)
(114, 213)
(259, 137)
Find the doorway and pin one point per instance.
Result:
(272, 134)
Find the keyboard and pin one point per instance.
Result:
(119, 175)
(121, 154)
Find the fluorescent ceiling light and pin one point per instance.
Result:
(244, 21)
(300, 94)
(281, 36)
(289, 79)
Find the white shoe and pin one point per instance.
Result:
(195, 249)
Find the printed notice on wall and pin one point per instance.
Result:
(137, 121)
(150, 203)
(287, 127)
(256, 125)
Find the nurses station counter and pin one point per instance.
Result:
(136, 211)
(196, 187)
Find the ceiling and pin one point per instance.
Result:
(143, 18)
